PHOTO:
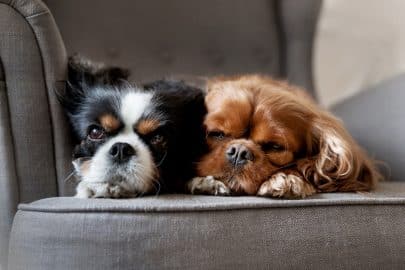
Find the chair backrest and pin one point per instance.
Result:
(160, 38)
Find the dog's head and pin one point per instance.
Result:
(132, 135)
(256, 127)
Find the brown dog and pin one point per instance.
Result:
(268, 138)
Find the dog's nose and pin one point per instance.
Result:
(121, 152)
(238, 155)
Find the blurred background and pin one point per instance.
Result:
(355, 45)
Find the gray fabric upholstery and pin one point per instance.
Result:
(376, 119)
(1, 72)
(156, 39)
(328, 231)
(297, 25)
(8, 185)
(33, 59)
(29, 115)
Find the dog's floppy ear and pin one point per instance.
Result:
(83, 73)
(335, 161)
(83, 76)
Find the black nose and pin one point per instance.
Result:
(121, 152)
(239, 155)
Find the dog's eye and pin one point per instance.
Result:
(96, 132)
(216, 134)
(157, 139)
(271, 146)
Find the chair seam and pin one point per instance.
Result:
(381, 202)
(37, 14)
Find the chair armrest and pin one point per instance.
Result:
(375, 118)
(32, 67)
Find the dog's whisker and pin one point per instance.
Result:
(69, 177)
(162, 160)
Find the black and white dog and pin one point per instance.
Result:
(131, 140)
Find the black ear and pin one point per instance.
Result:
(83, 76)
(83, 73)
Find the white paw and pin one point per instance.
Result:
(207, 185)
(83, 191)
(283, 185)
(100, 190)
(92, 190)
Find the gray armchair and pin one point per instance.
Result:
(42, 228)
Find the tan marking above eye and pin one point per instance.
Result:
(109, 122)
(146, 126)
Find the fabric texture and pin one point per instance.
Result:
(375, 118)
(298, 20)
(36, 59)
(29, 116)
(194, 37)
(327, 231)
(8, 184)
(386, 193)
(33, 59)
(184, 37)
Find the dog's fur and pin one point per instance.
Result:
(292, 147)
(131, 140)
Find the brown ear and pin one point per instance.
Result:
(335, 161)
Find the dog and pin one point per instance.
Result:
(131, 140)
(268, 138)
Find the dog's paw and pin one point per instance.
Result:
(83, 191)
(208, 185)
(288, 186)
(92, 190)
(115, 191)
(101, 190)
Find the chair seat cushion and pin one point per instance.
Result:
(326, 231)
